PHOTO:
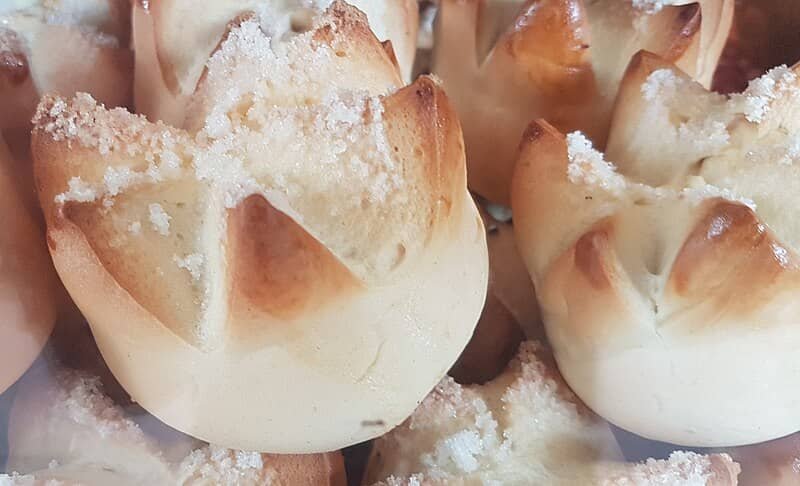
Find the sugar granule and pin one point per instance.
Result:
(193, 263)
(159, 219)
(653, 6)
(587, 166)
(660, 83)
(78, 191)
(757, 99)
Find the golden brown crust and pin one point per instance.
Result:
(546, 64)
(423, 113)
(729, 250)
(313, 469)
(28, 286)
(277, 267)
(14, 67)
(344, 211)
(674, 272)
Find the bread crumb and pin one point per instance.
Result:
(159, 219)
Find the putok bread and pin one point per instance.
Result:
(64, 429)
(265, 279)
(668, 279)
(28, 285)
(507, 62)
(62, 46)
(523, 428)
(174, 38)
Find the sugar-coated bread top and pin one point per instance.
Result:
(524, 427)
(64, 430)
(174, 38)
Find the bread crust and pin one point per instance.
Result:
(654, 295)
(28, 285)
(56, 408)
(174, 38)
(523, 427)
(561, 60)
(288, 344)
(38, 56)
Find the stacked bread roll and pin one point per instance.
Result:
(65, 430)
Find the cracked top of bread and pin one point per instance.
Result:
(666, 268)
(309, 219)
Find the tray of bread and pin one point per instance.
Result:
(399, 242)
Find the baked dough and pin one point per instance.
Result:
(174, 38)
(63, 428)
(505, 63)
(265, 279)
(668, 280)
(28, 285)
(523, 428)
(62, 46)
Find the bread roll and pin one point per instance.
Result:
(174, 38)
(62, 46)
(28, 285)
(507, 62)
(266, 279)
(63, 427)
(668, 279)
(523, 428)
